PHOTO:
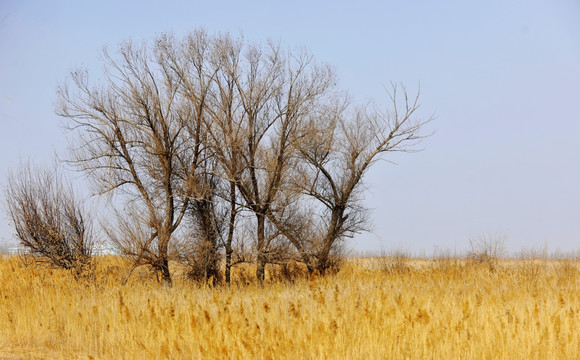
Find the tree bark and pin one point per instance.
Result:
(165, 274)
(261, 268)
(231, 228)
(261, 257)
(228, 266)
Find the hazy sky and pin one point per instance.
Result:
(502, 78)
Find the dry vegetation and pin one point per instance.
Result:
(393, 309)
(217, 153)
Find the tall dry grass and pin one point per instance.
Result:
(434, 309)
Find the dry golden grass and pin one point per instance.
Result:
(429, 309)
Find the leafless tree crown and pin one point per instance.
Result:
(195, 132)
(49, 221)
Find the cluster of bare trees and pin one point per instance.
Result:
(216, 149)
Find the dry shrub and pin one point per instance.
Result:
(49, 221)
(333, 265)
(287, 272)
(567, 272)
(202, 264)
(447, 262)
(449, 266)
(243, 274)
(487, 249)
(396, 263)
(533, 262)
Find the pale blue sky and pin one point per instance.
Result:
(502, 77)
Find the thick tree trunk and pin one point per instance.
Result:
(206, 258)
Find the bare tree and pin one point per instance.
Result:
(207, 126)
(346, 142)
(488, 248)
(48, 219)
(189, 60)
(256, 100)
(264, 100)
(135, 139)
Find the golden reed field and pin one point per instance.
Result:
(371, 309)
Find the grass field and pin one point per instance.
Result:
(371, 309)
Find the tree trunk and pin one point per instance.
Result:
(322, 263)
(165, 274)
(231, 228)
(261, 268)
(206, 255)
(322, 258)
(261, 258)
(163, 267)
(228, 265)
(309, 267)
(336, 223)
(211, 266)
